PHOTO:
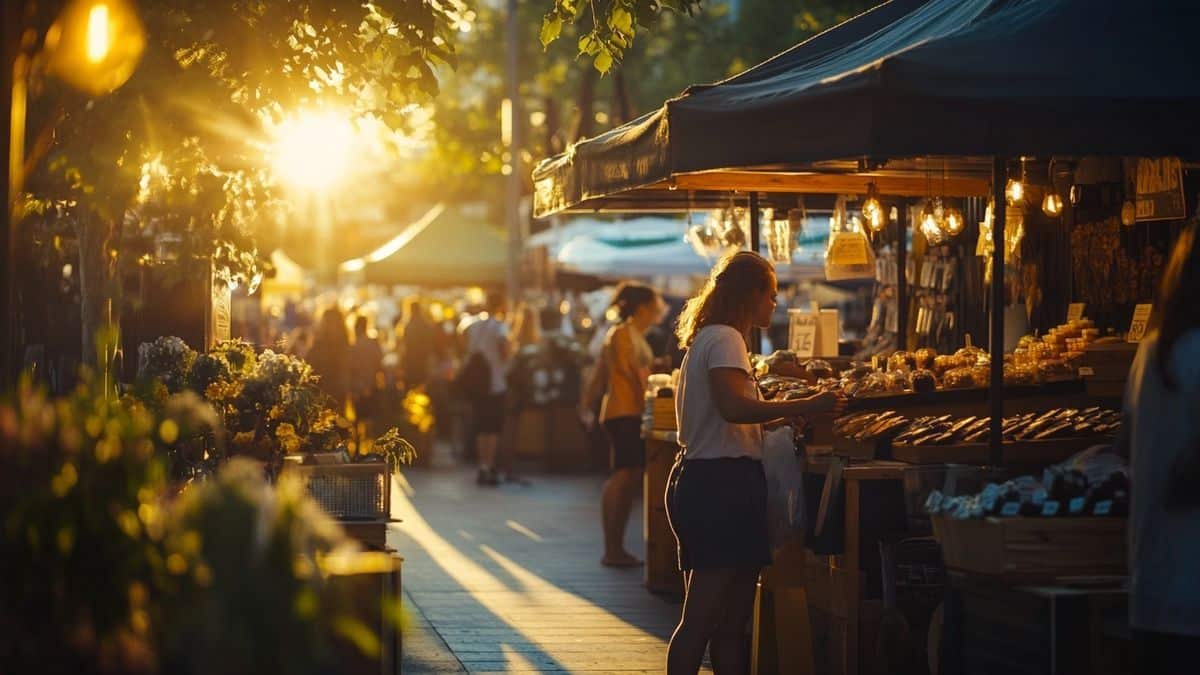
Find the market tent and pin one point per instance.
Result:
(653, 246)
(439, 250)
(965, 78)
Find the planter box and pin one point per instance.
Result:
(1030, 550)
(350, 491)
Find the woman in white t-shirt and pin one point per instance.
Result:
(716, 495)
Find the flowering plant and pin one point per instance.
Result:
(169, 360)
(105, 572)
(270, 405)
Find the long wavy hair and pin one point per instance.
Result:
(1177, 310)
(724, 298)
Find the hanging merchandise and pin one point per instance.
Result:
(848, 254)
(777, 231)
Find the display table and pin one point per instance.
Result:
(851, 509)
(992, 628)
(662, 563)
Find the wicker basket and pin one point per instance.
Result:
(350, 491)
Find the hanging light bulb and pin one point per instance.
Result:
(872, 210)
(929, 224)
(954, 222)
(1052, 204)
(1128, 213)
(1015, 191)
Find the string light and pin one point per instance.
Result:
(1052, 204)
(872, 210)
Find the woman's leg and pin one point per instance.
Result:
(703, 609)
(728, 648)
(615, 504)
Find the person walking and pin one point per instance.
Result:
(417, 339)
(329, 356)
(483, 380)
(716, 494)
(366, 363)
(625, 364)
(1162, 427)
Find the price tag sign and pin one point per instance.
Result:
(1075, 311)
(1137, 327)
(1086, 371)
(802, 333)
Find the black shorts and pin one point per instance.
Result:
(718, 511)
(625, 437)
(488, 412)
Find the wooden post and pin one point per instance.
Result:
(755, 245)
(996, 346)
(901, 278)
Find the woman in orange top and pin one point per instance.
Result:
(625, 365)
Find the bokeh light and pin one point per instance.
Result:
(312, 150)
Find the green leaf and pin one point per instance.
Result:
(551, 29)
(621, 20)
(603, 61)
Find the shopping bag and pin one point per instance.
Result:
(785, 487)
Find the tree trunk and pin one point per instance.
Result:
(624, 111)
(99, 289)
(587, 102)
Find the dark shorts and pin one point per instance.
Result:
(625, 438)
(718, 512)
(488, 412)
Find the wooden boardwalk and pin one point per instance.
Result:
(508, 580)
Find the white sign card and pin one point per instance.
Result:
(802, 333)
(1075, 311)
(1141, 318)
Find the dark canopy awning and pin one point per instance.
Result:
(948, 77)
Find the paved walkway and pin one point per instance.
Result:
(508, 579)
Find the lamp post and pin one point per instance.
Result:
(94, 46)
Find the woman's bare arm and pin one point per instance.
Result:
(729, 387)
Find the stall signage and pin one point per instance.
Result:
(222, 310)
(848, 250)
(1075, 311)
(1137, 327)
(1160, 189)
(802, 333)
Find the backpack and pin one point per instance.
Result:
(474, 378)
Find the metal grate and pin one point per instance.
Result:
(350, 491)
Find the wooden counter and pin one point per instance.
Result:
(662, 573)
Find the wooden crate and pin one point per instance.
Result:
(1033, 549)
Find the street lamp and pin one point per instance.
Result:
(94, 46)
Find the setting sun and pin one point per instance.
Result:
(312, 150)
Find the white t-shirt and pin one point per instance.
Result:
(703, 433)
(487, 336)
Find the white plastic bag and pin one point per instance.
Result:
(785, 487)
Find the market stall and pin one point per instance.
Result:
(1034, 105)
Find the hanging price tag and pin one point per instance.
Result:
(1141, 318)
(802, 333)
(1075, 311)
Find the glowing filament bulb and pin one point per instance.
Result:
(1015, 192)
(99, 39)
(1052, 205)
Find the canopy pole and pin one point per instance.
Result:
(996, 345)
(755, 244)
(901, 277)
